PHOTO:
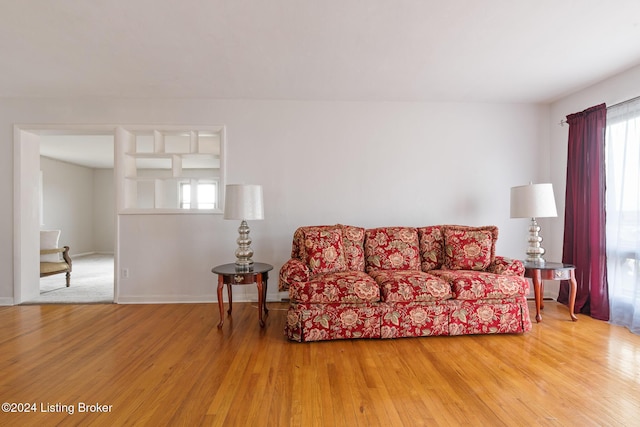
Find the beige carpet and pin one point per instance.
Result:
(91, 282)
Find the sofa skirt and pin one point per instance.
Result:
(320, 322)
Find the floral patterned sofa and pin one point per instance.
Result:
(390, 282)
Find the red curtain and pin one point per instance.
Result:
(584, 217)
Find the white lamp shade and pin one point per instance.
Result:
(243, 202)
(533, 201)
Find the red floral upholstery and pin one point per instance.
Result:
(489, 317)
(476, 285)
(353, 238)
(409, 285)
(411, 319)
(431, 247)
(292, 271)
(323, 251)
(317, 322)
(353, 253)
(401, 282)
(469, 248)
(391, 248)
(506, 266)
(298, 238)
(343, 287)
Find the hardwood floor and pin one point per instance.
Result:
(169, 365)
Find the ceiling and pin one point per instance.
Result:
(92, 151)
(533, 51)
(527, 51)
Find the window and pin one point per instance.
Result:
(623, 202)
(204, 197)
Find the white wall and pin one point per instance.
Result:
(104, 211)
(616, 89)
(68, 203)
(368, 164)
(79, 201)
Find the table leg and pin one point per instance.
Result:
(260, 299)
(230, 295)
(572, 295)
(537, 280)
(220, 302)
(541, 294)
(264, 296)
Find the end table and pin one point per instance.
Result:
(551, 271)
(228, 274)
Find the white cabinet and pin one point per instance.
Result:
(177, 169)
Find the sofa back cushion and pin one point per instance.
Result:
(469, 248)
(431, 247)
(391, 248)
(352, 244)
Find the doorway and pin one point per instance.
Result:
(68, 153)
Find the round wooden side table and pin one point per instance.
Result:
(230, 275)
(551, 271)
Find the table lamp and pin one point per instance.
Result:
(533, 201)
(243, 202)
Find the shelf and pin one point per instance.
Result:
(153, 164)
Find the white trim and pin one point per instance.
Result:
(182, 299)
(167, 299)
(25, 248)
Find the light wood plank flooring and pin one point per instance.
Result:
(169, 365)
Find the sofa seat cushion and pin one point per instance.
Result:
(477, 285)
(392, 248)
(53, 267)
(342, 287)
(409, 285)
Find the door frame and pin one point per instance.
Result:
(26, 203)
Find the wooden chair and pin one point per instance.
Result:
(50, 260)
(62, 266)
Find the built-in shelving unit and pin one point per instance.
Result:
(174, 170)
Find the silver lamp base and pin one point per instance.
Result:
(535, 250)
(244, 251)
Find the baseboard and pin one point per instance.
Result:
(78, 255)
(6, 301)
(165, 299)
(179, 299)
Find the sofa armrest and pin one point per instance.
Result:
(506, 266)
(293, 270)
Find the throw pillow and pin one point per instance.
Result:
(431, 247)
(324, 251)
(353, 240)
(469, 248)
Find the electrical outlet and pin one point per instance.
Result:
(125, 272)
